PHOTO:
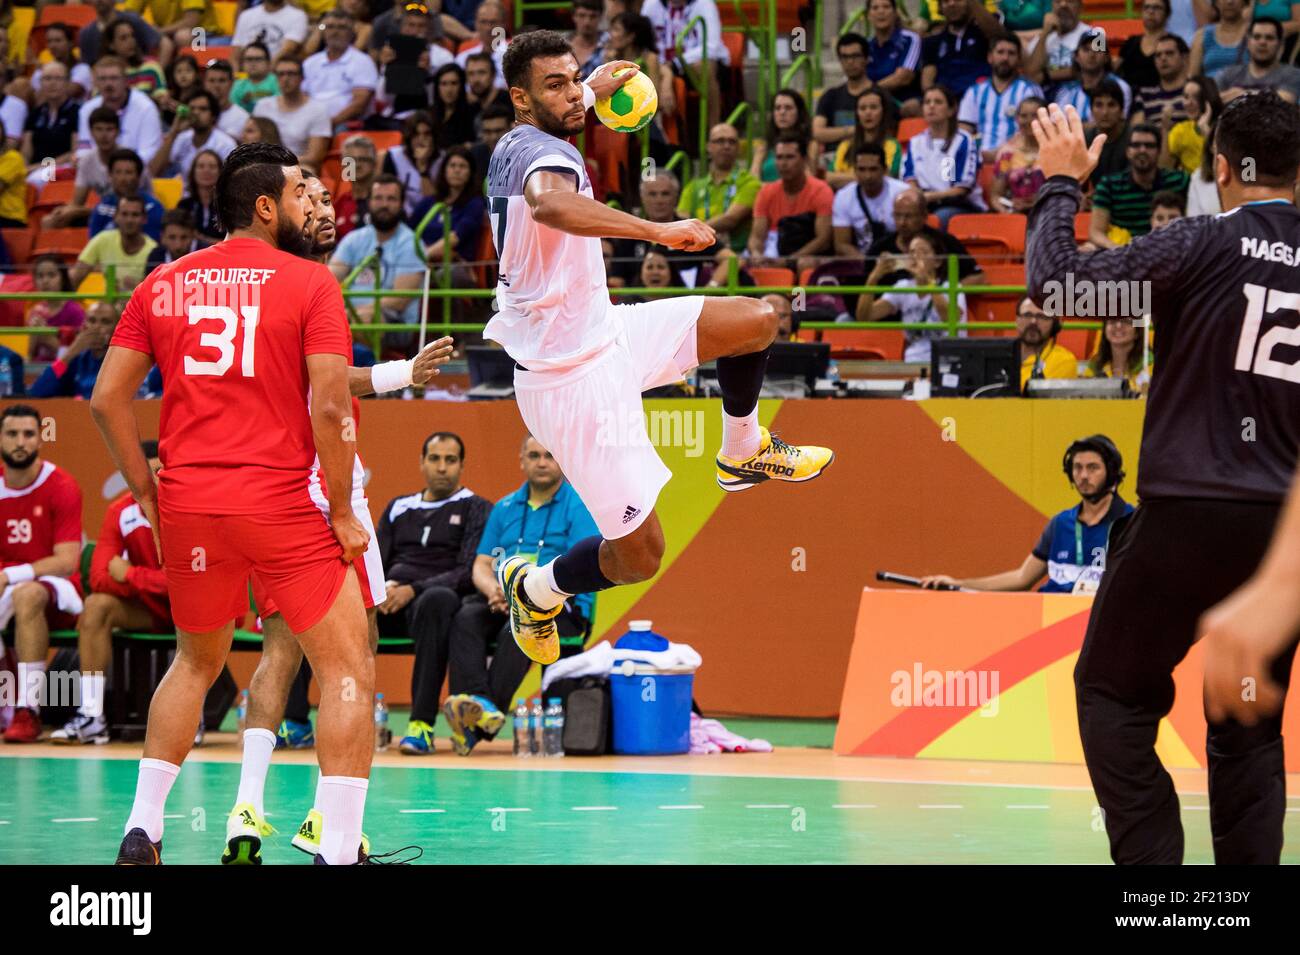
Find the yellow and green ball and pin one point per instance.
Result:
(631, 107)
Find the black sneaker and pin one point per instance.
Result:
(137, 849)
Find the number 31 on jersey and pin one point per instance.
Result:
(224, 340)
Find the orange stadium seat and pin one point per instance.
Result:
(610, 152)
(382, 138)
(772, 276)
(56, 193)
(205, 57)
(991, 237)
(19, 243)
(995, 306)
(1117, 31)
(735, 48)
(864, 343)
(1082, 225)
(67, 243)
(909, 127)
(74, 15)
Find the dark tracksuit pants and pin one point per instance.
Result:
(1166, 565)
(427, 621)
(473, 629)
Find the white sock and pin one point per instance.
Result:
(539, 585)
(151, 789)
(740, 436)
(92, 694)
(342, 804)
(31, 677)
(315, 803)
(258, 746)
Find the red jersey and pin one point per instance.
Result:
(126, 533)
(35, 518)
(230, 327)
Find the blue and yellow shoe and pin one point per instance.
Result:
(471, 720)
(775, 461)
(295, 735)
(534, 630)
(308, 838)
(418, 740)
(245, 828)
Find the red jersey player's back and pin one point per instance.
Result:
(230, 327)
(35, 518)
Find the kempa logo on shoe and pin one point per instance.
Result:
(77, 908)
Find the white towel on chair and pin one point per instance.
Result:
(599, 660)
(68, 600)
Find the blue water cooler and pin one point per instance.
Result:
(651, 705)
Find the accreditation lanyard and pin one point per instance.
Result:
(707, 189)
(1078, 541)
(545, 526)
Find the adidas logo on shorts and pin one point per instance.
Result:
(631, 513)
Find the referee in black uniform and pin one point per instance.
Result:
(1219, 448)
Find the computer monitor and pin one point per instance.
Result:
(975, 367)
(806, 361)
(491, 372)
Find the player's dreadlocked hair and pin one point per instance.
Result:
(525, 48)
(1259, 134)
(250, 171)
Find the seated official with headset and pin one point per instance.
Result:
(1072, 548)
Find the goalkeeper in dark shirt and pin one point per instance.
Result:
(1219, 448)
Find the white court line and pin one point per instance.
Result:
(420, 810)
(938, 805)
(854, 805)
(694, 806)
(1293, 808)
(508, 809)
(1197, 808)
(760, 805)
(77, 819)
(594, 808)
(1027, 806)
(4, 822)
(174, 815)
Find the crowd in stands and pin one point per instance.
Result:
(117, 119)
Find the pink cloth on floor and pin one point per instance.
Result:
(710, 736)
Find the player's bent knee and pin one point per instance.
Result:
(30, 598)
(97, 611)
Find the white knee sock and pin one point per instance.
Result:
(539, 585)
(740, 436)
(92, 694)
(151, 789)
(258, 746)
(342, 804)
(31, 677)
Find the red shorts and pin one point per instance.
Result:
(208, 560)
(55, 618)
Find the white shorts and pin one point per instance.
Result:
(591, 419)
(370, 568)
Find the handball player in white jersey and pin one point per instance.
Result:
(582, 363)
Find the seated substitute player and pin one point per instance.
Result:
(274, 679)
(237, 443)
(583, 363)
(1072, 547)
(129, 590)
(40, 551)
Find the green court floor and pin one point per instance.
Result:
(71, 811)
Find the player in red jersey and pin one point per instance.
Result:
(40, 552)
(281, 655)
(240, 331)
(128, 590)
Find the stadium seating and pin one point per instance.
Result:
(909, 127)
(991, 237)
(1117, 31)
(19, 243)
(168, 191)
(74, 15)
(206, 56)
(1082, 224)
(67, 243)
(995, 306)
(225, 13)
(382, 138)
(864, 344)
(772, 276)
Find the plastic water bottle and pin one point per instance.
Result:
(553, 739)
(241, 710)
(535, 727)
(382, 736)
(523, 748)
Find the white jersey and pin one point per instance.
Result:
(553, 308)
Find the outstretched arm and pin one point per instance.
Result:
(110, 405)
(395, 375)
(555, 202)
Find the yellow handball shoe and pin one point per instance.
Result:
(534, 630)
(775, 461)
(244, 831)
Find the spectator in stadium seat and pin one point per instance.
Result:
(1222, 43)
(788, 114)
(877, 122)
(279, 27)
(1091, 69)
(143, 73)
(1166, 207)
(481, 89)
(74, 374)
(1122, 200)
(1072, 548)
(360, 166)
(428, 541)
(894, 55)
(943, 161)
(1202, 192)
(836, 115)
(92, 171)
(415, 161)
(60, 44)
(1183, 144)
(219, 80)
(452, 107)
(1108, 118)
(49, 274)
(41, 556)
(632, 37)
(1051, 55)
(389, 107)
(586, 37)
(670, 18)
(1040, 355)
(51, 130)
(863, 211)
(989, 108)
(126, 246)
(787, 323)
(139, 127)
(460, 186)
(491, 36)
(129, 591)
(125, 171)
(1120, 348)
(1137, 55)
(150, 40)
(922, 265)
(1024, 16)
(259, 129)
(303, 122)
(200, 199)
(13, 187)
(958, 55)
(177, 239)
(1016, 176)
(189, 135)
(493, 123)
(259, 82)
(12, 362)
(797, 205)
(909, 221)
(400, 267)
(539, 520)
(1164, 98)
(1262, 69)
(184, 78)
(178, 18)
(723, 197)
(389, 23)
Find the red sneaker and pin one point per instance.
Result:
(25, 728)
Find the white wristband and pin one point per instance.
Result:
(20, 574)
(391, 375)
(588, 97)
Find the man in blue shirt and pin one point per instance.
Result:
(1072, 548)
(541, 521)
(958, 55)
(74, 374)
(125, 170)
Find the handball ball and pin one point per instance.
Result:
(632, 105)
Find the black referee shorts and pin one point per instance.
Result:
(1167, 563)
